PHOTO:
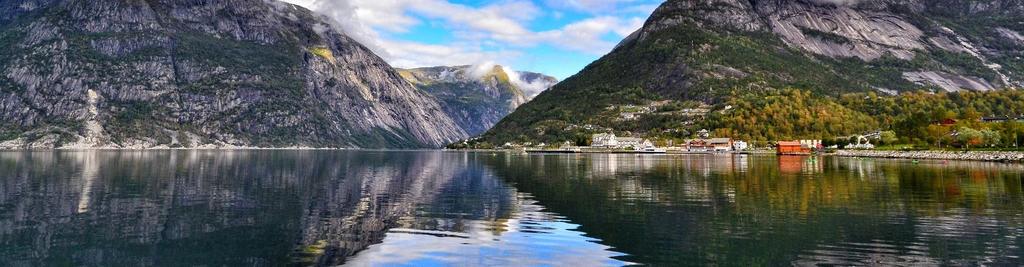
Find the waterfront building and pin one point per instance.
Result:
(646, 144)
(740, 146)
(698, 145)
(612, 141)
(709, 144)
(801, 147)
(812, 144)
(791, 147)
(720, 144)
(604, 140)
(629, 142)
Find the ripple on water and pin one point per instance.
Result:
(877, 252)
(956, 237)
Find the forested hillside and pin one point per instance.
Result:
(773, 70)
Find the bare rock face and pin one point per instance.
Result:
(477, 97)
(164, 73)
(948, 82)
(986, 35)
(1011, 35)
(866, 35)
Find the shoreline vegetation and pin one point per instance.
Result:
(979, 155)
(999, 156)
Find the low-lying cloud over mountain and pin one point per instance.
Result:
(478, 96)
(555, 37)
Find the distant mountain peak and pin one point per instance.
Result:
(478, 95)
(524, 83)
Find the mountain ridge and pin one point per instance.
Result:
(161, 73)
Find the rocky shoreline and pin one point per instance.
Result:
(1001, 156)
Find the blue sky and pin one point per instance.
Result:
(555, 37)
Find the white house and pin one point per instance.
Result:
(629, 141)
(604, 140)
(740, 146)
(611, 141)
(648, 146)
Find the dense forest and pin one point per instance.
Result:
(787, 114)
(920, 120)
(913, 119)
(973, 119)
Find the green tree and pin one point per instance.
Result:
(968, 137)
(970, 116)
(1013, 132)
(582, 140)
(991, 138)
(937, 134)
(889, 137)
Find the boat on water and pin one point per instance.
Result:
(653, 150)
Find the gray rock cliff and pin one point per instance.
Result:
(209, 73)
(984, 35)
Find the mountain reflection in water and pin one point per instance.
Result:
(134, 208)
(270, 208)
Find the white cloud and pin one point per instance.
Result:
(478, 70)
(587, 35)
(412, 54)
(501, 20)
(530, 88)
(346, 15)
(598, 6)
(495, 32)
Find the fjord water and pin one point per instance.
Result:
(272, 208)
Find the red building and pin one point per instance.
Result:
(792, 148)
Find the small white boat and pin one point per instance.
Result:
(653, 150)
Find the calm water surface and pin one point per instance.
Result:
(299, 208)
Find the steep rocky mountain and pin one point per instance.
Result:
(169, 73)
(477, 97)
(705, 53)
